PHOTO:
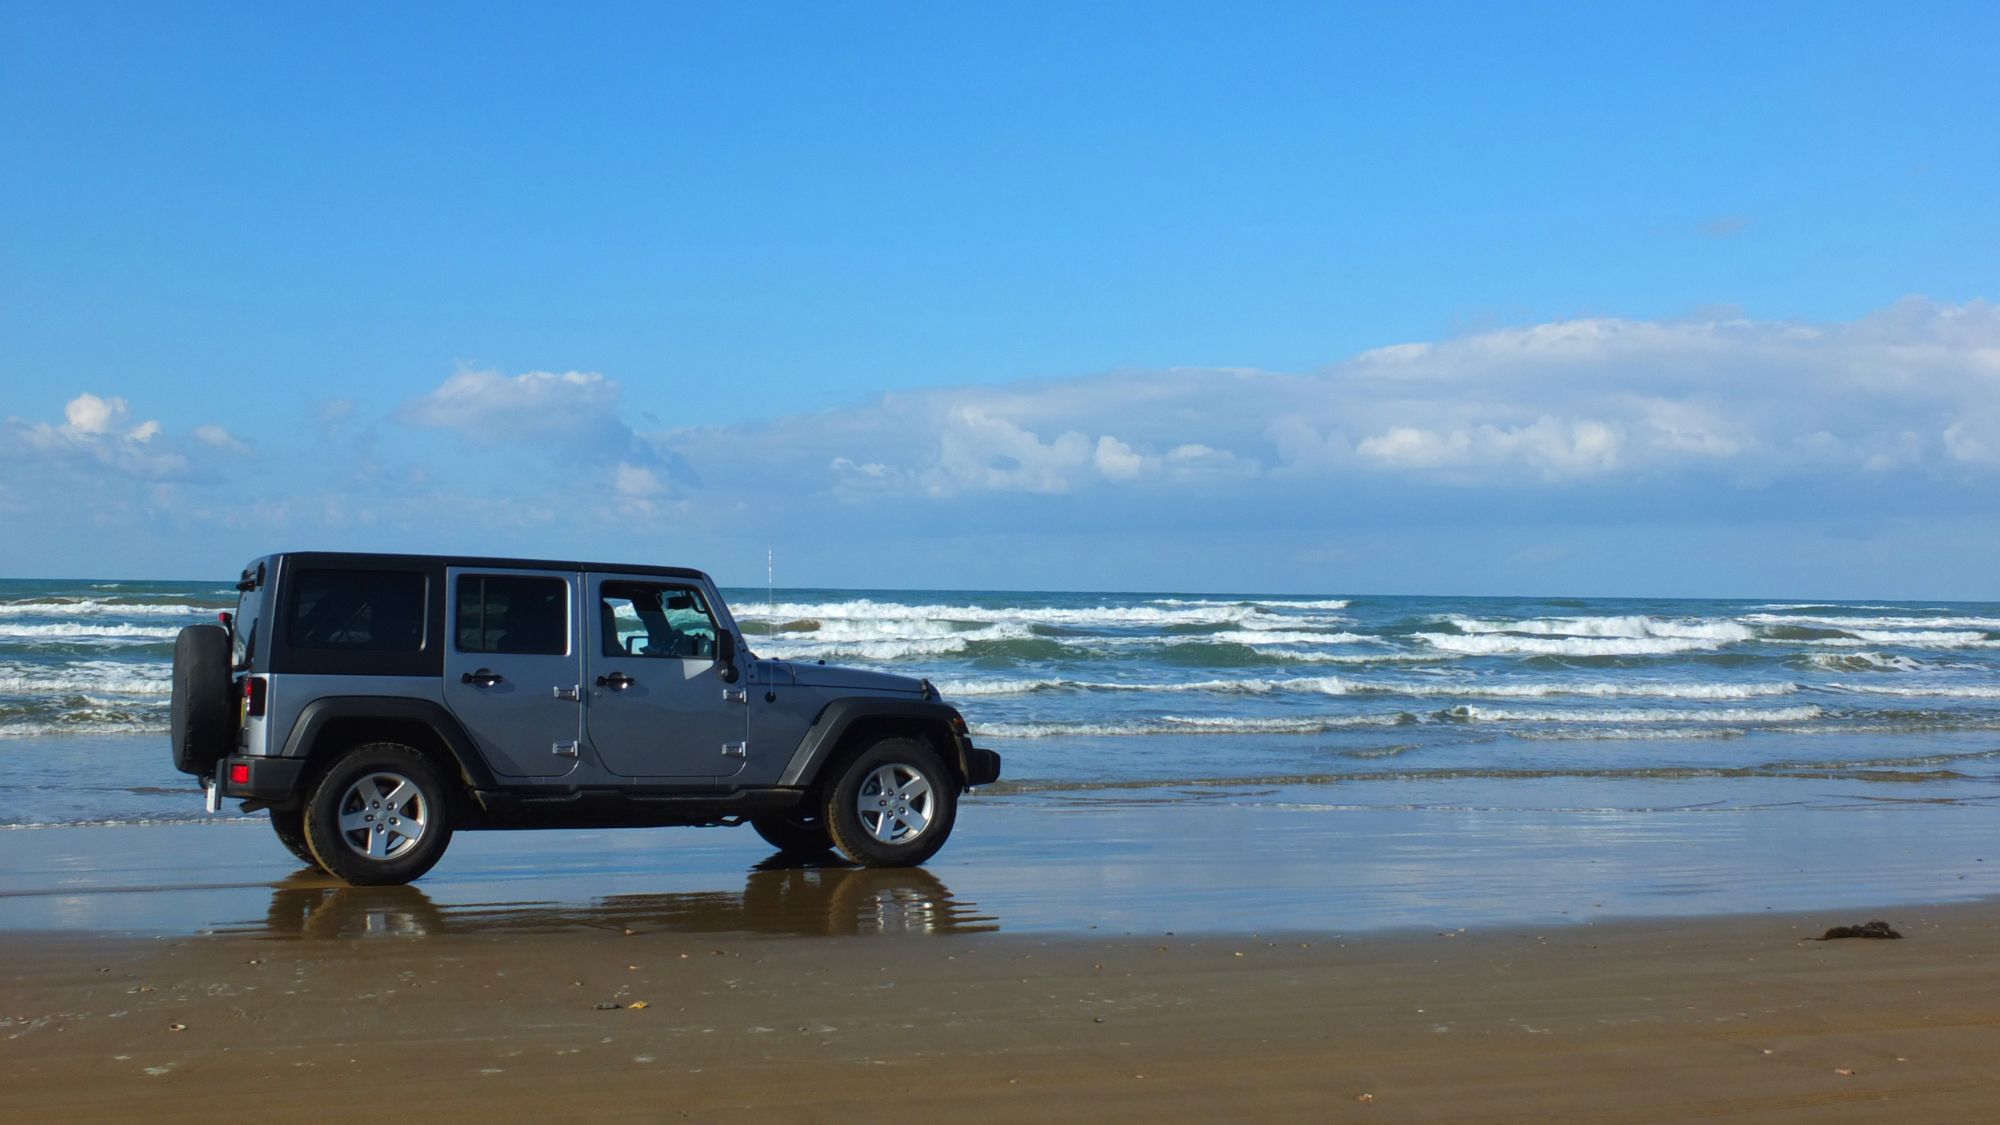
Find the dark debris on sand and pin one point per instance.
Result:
(1875, 929)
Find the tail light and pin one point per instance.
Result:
(254, 688)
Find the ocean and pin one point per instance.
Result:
(1336, 701)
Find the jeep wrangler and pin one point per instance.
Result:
(375, 704)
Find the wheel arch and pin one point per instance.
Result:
(327, 726)
(845, 725)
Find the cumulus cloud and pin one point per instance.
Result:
(98, 435)
(487, 408)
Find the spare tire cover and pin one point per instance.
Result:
(201, 720)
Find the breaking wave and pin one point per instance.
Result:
(1339, 685)
(1632, 626)
(71, 630)
(1502, 644)
(89, 607)
(1661, 715)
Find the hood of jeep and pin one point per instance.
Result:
(846, 679)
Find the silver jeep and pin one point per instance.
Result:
(375, 704)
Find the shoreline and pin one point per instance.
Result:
(1261, 861)
(1191, 961)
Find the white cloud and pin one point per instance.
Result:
(88, 414)
(216, 437)
(572, 414)
(1914, 388)
(487, 408)
(95, 437)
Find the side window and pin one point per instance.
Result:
(647, 619)
(357, 610)
(509, 613)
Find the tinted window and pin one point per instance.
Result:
(642, 619)
(364, 610)
(509, 613)
(249, 608)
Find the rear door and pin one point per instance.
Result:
(513, 667)
(660, 706)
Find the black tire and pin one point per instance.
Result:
(374, 847)
(878, 834)
(801, 831)
(201, 720)
(289, 825)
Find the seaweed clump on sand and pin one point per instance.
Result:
(1875, 929)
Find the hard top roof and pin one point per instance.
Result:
(371, 560)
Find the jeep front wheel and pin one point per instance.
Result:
(379, 815)
(892, 805)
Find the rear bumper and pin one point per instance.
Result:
(982, 767)
(264, 779)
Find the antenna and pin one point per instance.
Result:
(770, 590)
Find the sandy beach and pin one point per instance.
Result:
(1636, 1022)
(177, 972)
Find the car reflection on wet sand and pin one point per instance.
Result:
(782, 896)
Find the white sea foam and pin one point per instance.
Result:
(1929, 691)
(106, 676)
(39, 730)
(1262, 637)
(1637, 715)
(1266, 603)
(70, 630)
(1179, 724)
(1313, 656)
(1906, 638)
(1865, 662)
(1342, 685)
(1826, 605)
(1507, 645)
(1810, 621)
(1102, 616)
(1629, 626)
(89, 607)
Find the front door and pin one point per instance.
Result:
(512, 667)
(660, 706)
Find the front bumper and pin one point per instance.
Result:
(982, 767)
(262, 779)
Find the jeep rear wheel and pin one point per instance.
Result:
(289, 826)
(379, 815)
(892, 805)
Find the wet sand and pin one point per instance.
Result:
(1643, 1021)
(1188, 963)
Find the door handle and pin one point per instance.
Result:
(483, 677)
(616, 681)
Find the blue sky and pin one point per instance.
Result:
(1454, 298)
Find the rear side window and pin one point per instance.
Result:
(513, 614)
(357, 610)
(249, 609)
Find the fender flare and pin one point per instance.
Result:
(316, 716)
(841, 715)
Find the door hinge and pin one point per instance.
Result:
(736, 750)
(735, 695)
(564, 750)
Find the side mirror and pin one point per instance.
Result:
(725, 654)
